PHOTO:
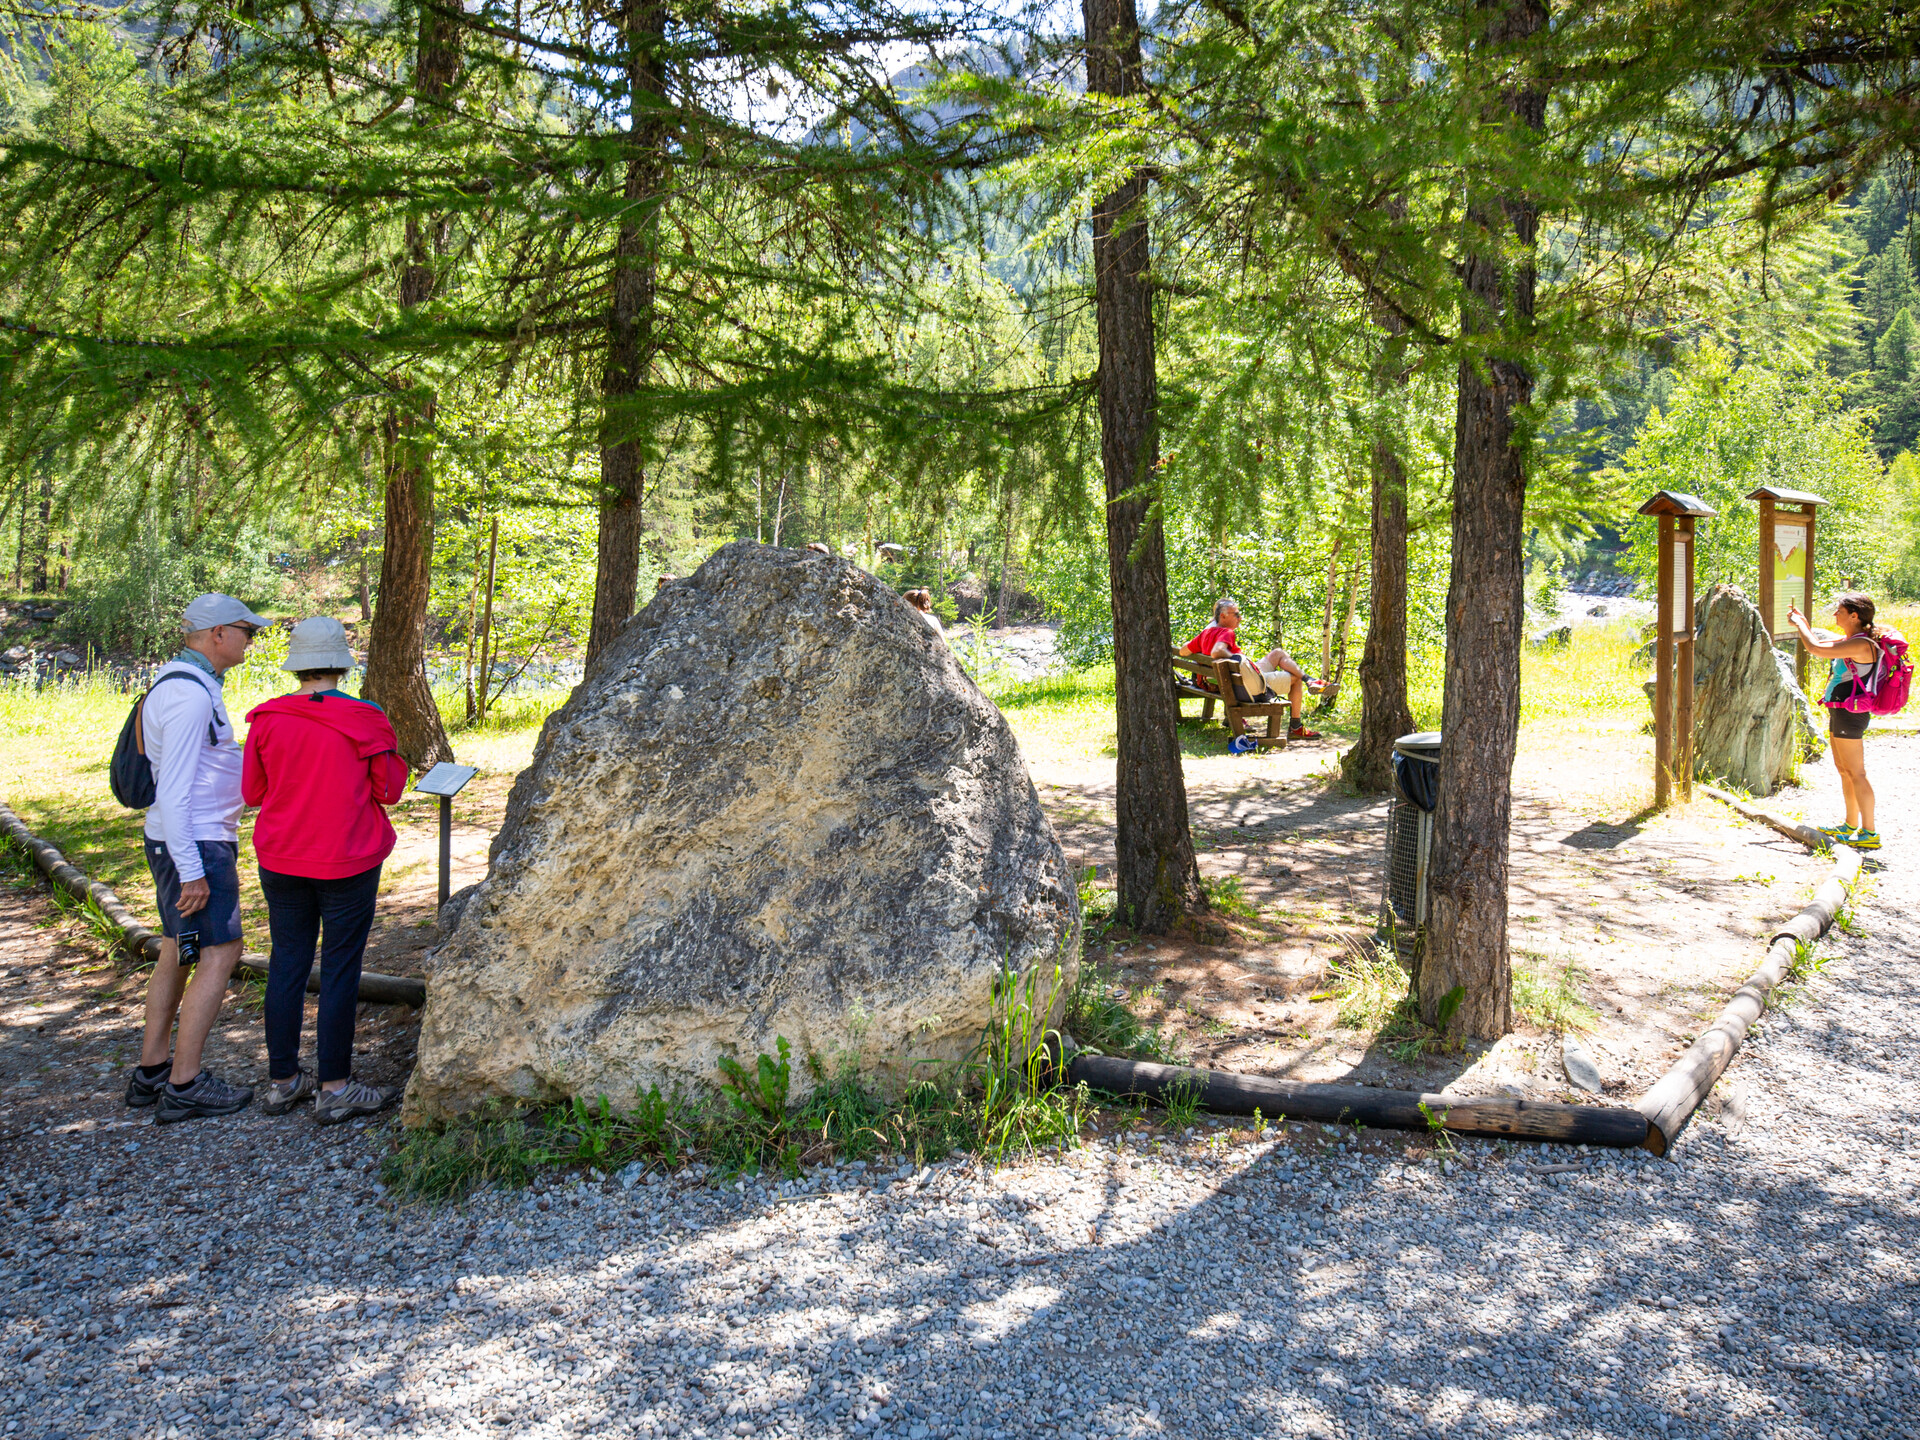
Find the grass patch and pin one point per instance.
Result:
(1373, 994)
(1809, 964)
(1228, 896)
(1549, 996)
(1368, 986)
(1004, 1099)
(1098, 904)
(1597, 675)
(1100, 1017)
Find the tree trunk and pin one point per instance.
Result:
(43, 535)
(1006, 558)
(486, 620)
(397, 649)
(1467, 932)
(20, 548)
(397, 646)
(366, 599)
(1339, 671)
(473, 630)
(1326, 609)
(1384, 713)
(630, 329)
(1156, 877)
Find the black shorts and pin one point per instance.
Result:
(219, 922)
(1848, 724)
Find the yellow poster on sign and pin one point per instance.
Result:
(1789, 570)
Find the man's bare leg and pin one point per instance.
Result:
(163, 1003)
(200, 1007)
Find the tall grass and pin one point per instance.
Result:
(1596, 675)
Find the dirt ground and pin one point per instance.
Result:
(1651, 920)
(1647, 920)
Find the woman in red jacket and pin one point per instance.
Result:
(320, 764)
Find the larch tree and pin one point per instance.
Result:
(396, 655)
(1157, 876)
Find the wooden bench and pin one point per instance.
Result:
(1190, 670)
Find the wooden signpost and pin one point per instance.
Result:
(1674, 643)
(1786, 562)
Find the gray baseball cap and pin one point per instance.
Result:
(318, 643)
(207, 611)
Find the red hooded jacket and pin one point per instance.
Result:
(320, 767)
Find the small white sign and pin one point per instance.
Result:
(1680, 589)
(446, 779)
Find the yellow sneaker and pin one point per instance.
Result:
(1864, 840)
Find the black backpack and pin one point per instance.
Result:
(130, 772)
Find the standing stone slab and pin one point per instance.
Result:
(1750, 721)
(777, 806)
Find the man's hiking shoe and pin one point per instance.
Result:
(1839, 834)
(141, 1091)
(1865, 840)
(1300, 732)
(283, 1095)
(207, 1094)
(353, 1099)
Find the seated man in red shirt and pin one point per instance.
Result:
(1220, 640)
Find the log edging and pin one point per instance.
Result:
(1652, 1123)
(144, 944)
(1792, 829)
(1678, 1093)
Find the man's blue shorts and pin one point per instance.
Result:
(219, 922)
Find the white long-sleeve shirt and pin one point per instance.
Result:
(196, 785)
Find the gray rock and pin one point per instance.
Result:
(1557, 639)
(456, 906)
(1578, 1063)
(776, 807)
(1751, 724)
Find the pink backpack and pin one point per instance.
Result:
(1884, 688)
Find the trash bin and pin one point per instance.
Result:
(1403, 900)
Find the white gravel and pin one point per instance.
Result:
(244, 1278)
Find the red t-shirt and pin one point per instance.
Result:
(1203, 643)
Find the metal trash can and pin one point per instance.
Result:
(1403, 899)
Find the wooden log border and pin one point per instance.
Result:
(1653, 1123)
(144, 944)
(1792, 829)
(1679, 1092)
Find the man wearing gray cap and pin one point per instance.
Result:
(193, 848)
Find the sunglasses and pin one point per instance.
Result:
(250, 631)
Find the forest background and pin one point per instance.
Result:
(469, 321)
(1811, 379)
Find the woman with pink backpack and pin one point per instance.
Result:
(1871, 676)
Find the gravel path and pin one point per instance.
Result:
(245, 1278)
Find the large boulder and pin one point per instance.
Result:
(1751, 723)
(775, 807)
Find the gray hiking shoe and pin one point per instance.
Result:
(142, 1092)
(283, 1095)
(352, 1099)
(207, 1095)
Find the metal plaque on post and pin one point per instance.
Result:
(445, 780)
(1673, 642)
(1786, 562)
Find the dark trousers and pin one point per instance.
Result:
(298, 908)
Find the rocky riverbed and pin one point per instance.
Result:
(249, 1278)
